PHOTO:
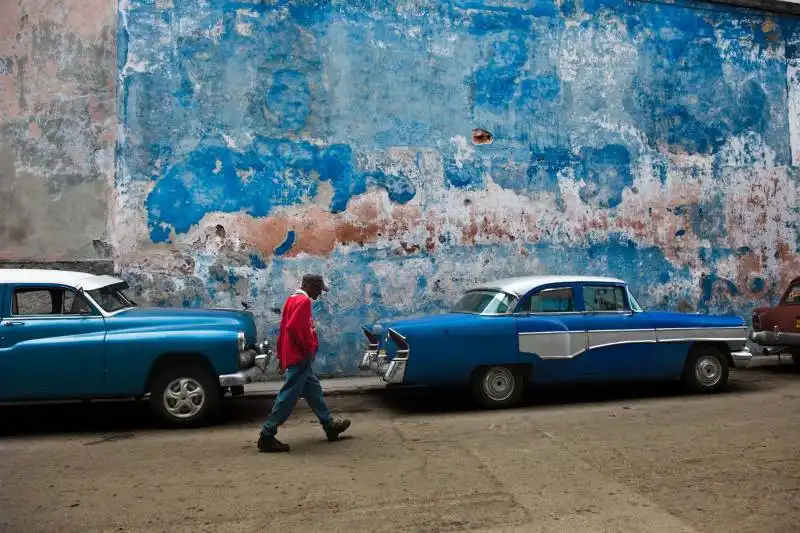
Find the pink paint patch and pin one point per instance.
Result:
(87, 18)
(10, 21)
(97, 113)
(9, 102)
(34, 131)
(51, 68)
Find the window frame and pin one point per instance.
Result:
(548, 288)
(537, 290)
(626, 305)
(12, 290)
(787, 292)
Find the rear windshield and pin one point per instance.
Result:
(485, 303)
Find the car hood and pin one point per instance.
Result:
(239, 320)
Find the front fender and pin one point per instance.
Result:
(131, 354)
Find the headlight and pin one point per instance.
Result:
(242, 340)
(247, 358)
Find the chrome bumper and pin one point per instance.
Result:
(775, 338)
(391, 372)
(741, 358)
(243, 377)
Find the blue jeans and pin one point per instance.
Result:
(300, 381)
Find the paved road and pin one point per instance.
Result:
(644, 458)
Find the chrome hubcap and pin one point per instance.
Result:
(184, 397)
(708, 371)
(498, 384)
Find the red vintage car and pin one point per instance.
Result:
(777, 328)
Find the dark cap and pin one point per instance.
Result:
(315, 279)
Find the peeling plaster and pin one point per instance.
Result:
(57, 120)
(649, 141)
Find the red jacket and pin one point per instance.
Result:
(297, 338)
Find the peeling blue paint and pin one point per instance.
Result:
(284, 247)
(254, 107)
(257, 262)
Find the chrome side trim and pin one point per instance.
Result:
(570, 344)
(553, 344)
(743, 328)
(700, 334)
(703, 339)
(614, 337)
(13, 318)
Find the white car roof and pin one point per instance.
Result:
(78, 280)
(521, 285)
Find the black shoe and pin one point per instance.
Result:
(336, 429)
(269, 444)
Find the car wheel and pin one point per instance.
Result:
(796, 357)
(184, 396)
(706, 370)
(497, 387)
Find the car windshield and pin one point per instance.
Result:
(793, 295)
(634, 304)
(112, 297)
(484, 302)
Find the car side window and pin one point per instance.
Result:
(793, 296)
(603, 298)
(33, 302)
(40, 301)
(75, 304)
(555, 300)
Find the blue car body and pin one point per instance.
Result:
(71, 335)
(549, 339)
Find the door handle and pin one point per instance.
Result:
(13, 323)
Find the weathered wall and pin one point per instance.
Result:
(261, 140)
(57, 120)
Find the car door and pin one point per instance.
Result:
(51, 344)
(622, 343)
(551, 329)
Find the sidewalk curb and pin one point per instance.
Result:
(328, 393)
(330, 389)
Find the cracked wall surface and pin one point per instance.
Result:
(263, 140)
(57, 128)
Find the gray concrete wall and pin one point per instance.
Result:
(57, 128)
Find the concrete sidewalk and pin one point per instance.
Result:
(332, 386)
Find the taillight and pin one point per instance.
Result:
(374, 340)
(401, 343)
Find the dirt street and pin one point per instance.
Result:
(645, 459)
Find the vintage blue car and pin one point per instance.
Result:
(503, 336)
(71, 335)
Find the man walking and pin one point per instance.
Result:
(297, 345)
